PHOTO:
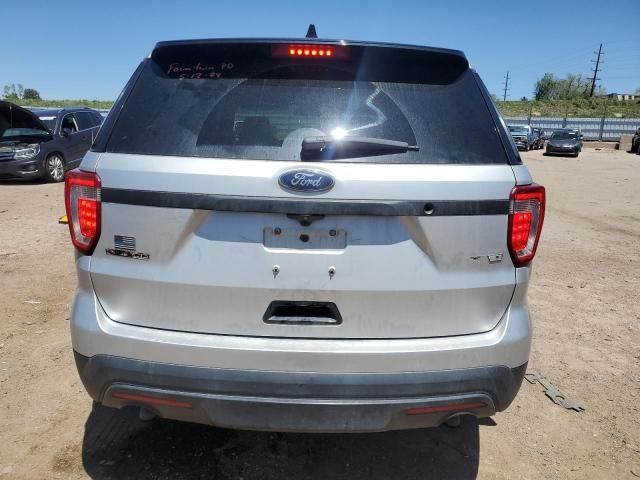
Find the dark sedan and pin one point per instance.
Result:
(564, 142)
(44, 143)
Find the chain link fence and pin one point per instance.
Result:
(593, 128)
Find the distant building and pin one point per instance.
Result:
(621, 97)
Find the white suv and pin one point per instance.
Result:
(294, 235)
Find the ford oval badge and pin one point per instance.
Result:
(306, 181)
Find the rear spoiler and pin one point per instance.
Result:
(302, 58)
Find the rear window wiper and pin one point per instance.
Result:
(327, 147)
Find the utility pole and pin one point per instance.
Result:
(506, 87)
(595, 71)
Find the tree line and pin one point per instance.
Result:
(572, 87)
(18, 92)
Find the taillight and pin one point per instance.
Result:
(309, 51)
(526, 214)
(82, 202)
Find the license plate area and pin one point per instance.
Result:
(304, 238)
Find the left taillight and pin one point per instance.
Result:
(526, 214)
(83, 205)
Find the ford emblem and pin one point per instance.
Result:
(306, 181)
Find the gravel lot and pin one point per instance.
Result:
(584, 298)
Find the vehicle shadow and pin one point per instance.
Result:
(117, 444)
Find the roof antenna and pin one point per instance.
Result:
(311, 31)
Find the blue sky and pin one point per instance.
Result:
(88, 49)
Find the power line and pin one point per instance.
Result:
(506, 87)
(595, 71)
(623, 55)
(618, 77)
(570, 60)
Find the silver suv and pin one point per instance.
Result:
(295, 236)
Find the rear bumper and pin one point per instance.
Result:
(300, 384)
(299, 401)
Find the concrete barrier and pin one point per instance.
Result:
(625, 142)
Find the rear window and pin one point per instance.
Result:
(250, 101)
(85, 120)
(98, 118)
(564, 136)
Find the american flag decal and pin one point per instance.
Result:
(121, 242)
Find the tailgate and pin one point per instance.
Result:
(214, 221)
(389, 274)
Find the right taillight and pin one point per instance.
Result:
(82, 202)
(526, 214)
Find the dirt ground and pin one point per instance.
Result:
(584, 300)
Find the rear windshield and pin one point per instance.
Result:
(564, 136)
(11, 133)
(245, 102)
(49, 120)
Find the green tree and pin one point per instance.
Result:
(13, 91)
(545, 88)
(31, 94)
(10, 92)
(572, 87)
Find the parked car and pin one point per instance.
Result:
(540, 138)
(564, 142)
(577, 131)
(299, 239)
(522, 136)
(535, 139)
(635, 142)
(44, 143)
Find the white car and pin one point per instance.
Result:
(293, 235)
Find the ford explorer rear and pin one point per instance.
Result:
(293, 235)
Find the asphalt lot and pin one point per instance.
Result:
(584, 299)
